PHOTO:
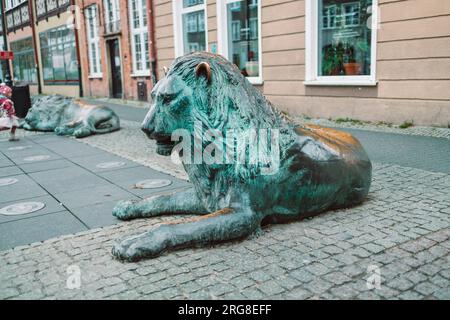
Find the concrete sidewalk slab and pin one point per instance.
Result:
(94, 195)
(67, 179)
(98, 215)
(45, 165)
(25, 188)
(38, 228)
(99, 162)
(10, 171)
(51, 206)
(4, 162)
(127, 179)
(70, 148)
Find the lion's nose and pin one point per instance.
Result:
(148, 130)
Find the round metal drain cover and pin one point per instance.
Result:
(7, 181)
(21, 208)
(111, 165)
(36, 158)
(19, 148)
(153, 183)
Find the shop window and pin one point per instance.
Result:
(340, 42)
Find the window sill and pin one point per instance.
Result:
(140, 74)
(341, 83)
(256, 81)
(96, 76)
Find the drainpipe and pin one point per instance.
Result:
(151, 25)
(77, 45)
(8, 80)
(33, 36)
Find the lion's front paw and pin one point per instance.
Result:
(60, 131)
(125, 210)
(82, 132)
(145, 245)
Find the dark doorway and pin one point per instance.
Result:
(116, 73)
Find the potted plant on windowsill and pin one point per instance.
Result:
(351, 67)
(332, 60)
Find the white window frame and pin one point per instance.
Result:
(178, 11)
(311, 52)
(95, 40)
(115, 7)
(222, 35)
(141, 30)
(10, 4)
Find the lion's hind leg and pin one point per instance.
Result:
(184, 202)
(222, 225)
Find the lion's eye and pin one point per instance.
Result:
(167, 98)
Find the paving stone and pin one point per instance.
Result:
(271, 288)
(426, 288)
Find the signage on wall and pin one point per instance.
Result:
(6, 55)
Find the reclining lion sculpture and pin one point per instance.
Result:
(319, 168)
(68, 116)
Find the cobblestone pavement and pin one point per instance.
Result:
(403, 229)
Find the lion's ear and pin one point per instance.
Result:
(203, 69)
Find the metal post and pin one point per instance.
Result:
(8, 80)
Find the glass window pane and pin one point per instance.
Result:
(190, 3)
(194, 37)
(344, 38)
(144, 12)
(23, 62)
(135, 12)
(58, 53)
(243, 36)
(137, 48)
(70, 57)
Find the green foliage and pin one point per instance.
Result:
(332, 59)
(406, 125)
(348, 120)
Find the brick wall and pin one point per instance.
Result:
(102, 87)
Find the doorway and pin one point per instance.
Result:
(115, 65)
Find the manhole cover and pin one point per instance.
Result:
(21, 208)
(111, 165)
(19, 148)
(7, 181)
(36, 158)
(153, 183)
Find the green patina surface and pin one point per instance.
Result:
(318, 169)
(66, 116)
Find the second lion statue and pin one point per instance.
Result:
(318, 168)
(70, 117)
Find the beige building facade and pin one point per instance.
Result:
(373, 60)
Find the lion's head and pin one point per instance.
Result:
(46, 112)
(208, 88)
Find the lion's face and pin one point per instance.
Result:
(172, 105)
(45, 112)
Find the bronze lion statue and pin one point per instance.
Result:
(68, 116)
(317, 168)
